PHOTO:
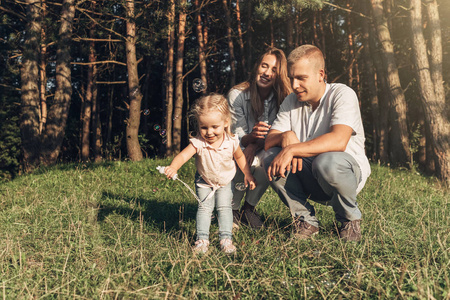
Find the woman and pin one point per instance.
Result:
(254, 104)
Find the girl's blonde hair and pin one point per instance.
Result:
(281, 87)
(212, 102)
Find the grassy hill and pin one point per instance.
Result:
(121, 230)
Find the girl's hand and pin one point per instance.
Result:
(170, 172)
(250, 181)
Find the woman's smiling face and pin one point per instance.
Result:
(267, 72)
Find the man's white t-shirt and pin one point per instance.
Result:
(338, 105)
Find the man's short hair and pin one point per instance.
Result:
(307, 51)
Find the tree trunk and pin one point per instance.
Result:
(371, 81)
(43, 74)
(178, 111)
(435, 49)
(434, 107)
(96, 124)
(322, 36)
(249, 35)
(134, 93)
(315, 34)
(201, 46)
(399, 137)
(169, 76)
(230, 43)
(351, 50)
(383, 102)
(29, 121)
(289, 31)
(87, 112)
(241, 40)
(59, 110)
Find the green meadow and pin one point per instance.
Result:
(120, 230)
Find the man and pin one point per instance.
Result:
(315, 147)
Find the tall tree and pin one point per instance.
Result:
(169, 75)
(59, 110)
(399, 137)
(134, 93)
(178, 111)
(432, 98)
(230, 43)
(201, 44)
(42, 72)
(370, 78)
(30, 110)
(88, 100)
(249, 34)
(241, 39)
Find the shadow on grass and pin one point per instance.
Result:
(164, 215)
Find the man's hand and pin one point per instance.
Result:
(290, 138)
(281, 164)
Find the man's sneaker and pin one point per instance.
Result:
(201, 246)
(350, 231)
(227, 246)
(236, 219)
(303, 230)
(251, 218)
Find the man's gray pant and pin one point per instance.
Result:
(330, 178)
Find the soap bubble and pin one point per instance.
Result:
(163, 133)
(146, 112)
(164, 141)
(157, 127)
(198, 85)
(240, 186)
(134, 91)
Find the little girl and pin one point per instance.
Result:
(214, 148)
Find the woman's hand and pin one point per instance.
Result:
(260, 130)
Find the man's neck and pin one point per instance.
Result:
(315, 104)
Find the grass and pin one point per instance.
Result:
(120, 230)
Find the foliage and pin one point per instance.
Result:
(10, 33)
(9, 138)
(121, 230)
(262, 22)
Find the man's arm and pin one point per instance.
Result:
(334, 141)
(273, 139)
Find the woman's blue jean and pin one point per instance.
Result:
(221, 200)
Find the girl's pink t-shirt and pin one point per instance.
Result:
(216, 165)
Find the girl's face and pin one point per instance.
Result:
(267, 72)
(212, 127)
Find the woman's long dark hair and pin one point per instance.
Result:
(281, 87)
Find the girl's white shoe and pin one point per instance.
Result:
(227, 246)
(201, 246)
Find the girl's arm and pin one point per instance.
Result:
(239, 157)
(179, 160)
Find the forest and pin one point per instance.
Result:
(92, 81)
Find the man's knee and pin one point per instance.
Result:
(333, 167)
(269, 155)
